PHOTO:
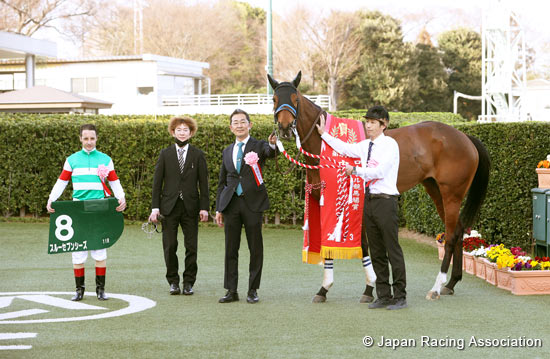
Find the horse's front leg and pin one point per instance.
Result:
(328, 280)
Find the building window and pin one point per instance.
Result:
(6, 82)
(87, 84)
(92, 84)
(78, 85)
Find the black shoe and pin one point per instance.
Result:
(79, 294)
(252, 297)
(399, 304)
(380, 303)
(174, 289)
(187, 289)
(229, 297)
(101, 293)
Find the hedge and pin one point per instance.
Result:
(34, 147)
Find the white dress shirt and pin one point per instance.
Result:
(236, 150)
(385, 151)
(185, 148)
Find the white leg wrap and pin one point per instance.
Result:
(328, 274)
(439, 281)
(369, 271)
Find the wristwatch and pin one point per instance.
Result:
(354, 171)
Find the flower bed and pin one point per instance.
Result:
(507, 268)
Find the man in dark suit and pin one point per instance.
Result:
(180, 197)
(242, 199)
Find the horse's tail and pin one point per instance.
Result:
(478, 188)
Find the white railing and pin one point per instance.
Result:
(233, 100)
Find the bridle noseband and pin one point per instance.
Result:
(284, 92)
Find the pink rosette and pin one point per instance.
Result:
(103, 172)
(251, 159)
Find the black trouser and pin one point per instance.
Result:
(190, 228)
(235, 216)
(382, 224)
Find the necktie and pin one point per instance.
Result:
(238, 166)
(367, 189)
(181, 158)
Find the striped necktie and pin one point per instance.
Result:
(181, 158)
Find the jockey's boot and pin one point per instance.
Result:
(100, 287)
(79, 289)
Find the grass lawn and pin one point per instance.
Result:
(284, 324)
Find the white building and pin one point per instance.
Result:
(134, 84)
(536, 100)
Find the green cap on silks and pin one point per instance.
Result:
(84, 225)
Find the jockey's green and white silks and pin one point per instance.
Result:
(84, 225)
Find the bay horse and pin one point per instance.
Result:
(448, 163)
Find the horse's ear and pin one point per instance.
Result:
(272, 82)
(296, 81)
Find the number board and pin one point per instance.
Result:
(84, 225)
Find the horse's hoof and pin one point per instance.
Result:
(432, 295)
(319, 299)
(447, 291)
(366, 299)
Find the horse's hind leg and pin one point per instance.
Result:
(456, 274)
(452, 208)
(328, 280)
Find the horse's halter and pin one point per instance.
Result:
(284, 93)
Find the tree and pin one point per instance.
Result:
(325, 48)
(461, 50)
(226, 34)
(26, 17)
(386, 76)
(433, 93)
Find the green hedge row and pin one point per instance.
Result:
(34, 147)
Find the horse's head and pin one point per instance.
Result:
(285, 105)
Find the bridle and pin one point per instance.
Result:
(285, 97)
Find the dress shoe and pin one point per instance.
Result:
(229, 297)
(101, 294)
(174, 289)
(399, 304)
(187, 289)
(79, 294)
(380, 303)
(252, 297)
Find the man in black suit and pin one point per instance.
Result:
(180, 197)
(242, 199)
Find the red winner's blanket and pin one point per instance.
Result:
(333, 225)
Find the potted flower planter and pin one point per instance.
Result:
(469, 263)
(527, 282)
(544, 177)
(490, 272)
(480, 267)
(504, 276)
